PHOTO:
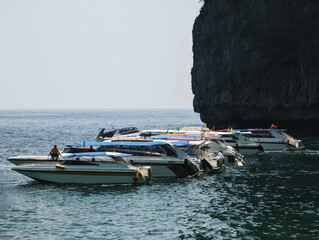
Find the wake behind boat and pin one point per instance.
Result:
(88, 168)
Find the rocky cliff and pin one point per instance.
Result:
(256, 62)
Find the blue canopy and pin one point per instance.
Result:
(93, 154)
(119, 143)
(189, 137)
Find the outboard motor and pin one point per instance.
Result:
(191, 167)
(212, 163)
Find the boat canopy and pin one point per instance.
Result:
(262, 130)
(174, 137)
(253, 130)
(93, 154)
(119, 143)
(181, 137)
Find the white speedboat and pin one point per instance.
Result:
(234, 139)
(165, 159)
(231, 156)
(93, 168)
(117, 133)
(128, 133)
(272, 139)
(210, 163)
(241, 143)
(194, 142)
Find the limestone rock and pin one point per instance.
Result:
(256, 62)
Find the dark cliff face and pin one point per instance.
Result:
(256, 62)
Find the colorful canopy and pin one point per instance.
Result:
(119, 143)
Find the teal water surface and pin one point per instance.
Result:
(274, 196)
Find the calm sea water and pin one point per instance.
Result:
(274, 196)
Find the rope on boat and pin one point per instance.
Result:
(199, 172)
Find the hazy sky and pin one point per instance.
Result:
(96, 53)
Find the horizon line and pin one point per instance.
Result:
(162, 108)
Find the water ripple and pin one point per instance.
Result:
(274, 196)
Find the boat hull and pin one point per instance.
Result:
(273, 146)
(212, 164)
(60, 174)
(247, 151)
(163, 170)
